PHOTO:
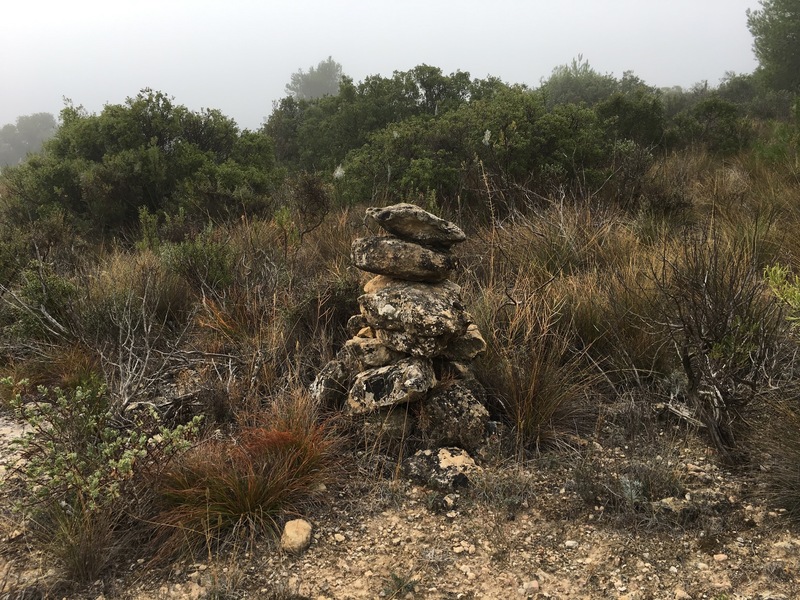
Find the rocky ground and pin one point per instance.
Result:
(581, 523)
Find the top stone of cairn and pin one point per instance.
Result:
(411, 223)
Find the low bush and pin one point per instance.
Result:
(83, 472)
(205, 261)
(631, 494)
(726, 327)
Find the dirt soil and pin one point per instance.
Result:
(553, 528)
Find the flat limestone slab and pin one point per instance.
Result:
(402, 259)
(412, 223)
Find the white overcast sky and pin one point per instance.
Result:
(237, 55)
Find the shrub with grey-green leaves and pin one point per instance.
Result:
(75, 449)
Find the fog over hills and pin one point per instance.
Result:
(238, 55)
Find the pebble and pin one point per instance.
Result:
(571, 544)
(530, 587)
(720, 557)
(338, 537)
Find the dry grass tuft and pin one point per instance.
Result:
(778, 439)
(535, 378)
(245, 484)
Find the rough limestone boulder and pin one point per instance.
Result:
(361, 353)
(415, 224)
(415, 345)
(442, 469)
(453, 416)
(405, 260)
(466, 347)
(296, 536)
(332, 383)
(407, 380)
(422, 309)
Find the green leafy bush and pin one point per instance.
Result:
(146, 153)
(44, 305)
(75, 447)
(84, 472)
(205, 261)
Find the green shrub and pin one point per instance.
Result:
(205, 261)
(713, 124)
(45, 304)
(83, 474)
(75, 448)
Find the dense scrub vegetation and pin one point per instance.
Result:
(171, 284)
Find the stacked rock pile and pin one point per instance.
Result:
(407, 367)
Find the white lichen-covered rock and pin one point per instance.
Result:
(422, 309)
(415, 345)
(296, 536)
(332, 383)
(412, 223)
(402, 259)
(468, 346)
(362, 353)
(407, 380)
(453, 416)
(443, 469)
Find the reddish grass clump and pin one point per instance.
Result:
(245, 483)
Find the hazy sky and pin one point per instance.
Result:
(237, 55)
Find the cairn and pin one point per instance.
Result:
(406, 369)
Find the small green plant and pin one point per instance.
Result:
(398, 586)
(785, 287)
(205, 261)
(83, 472)
(43, 306)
